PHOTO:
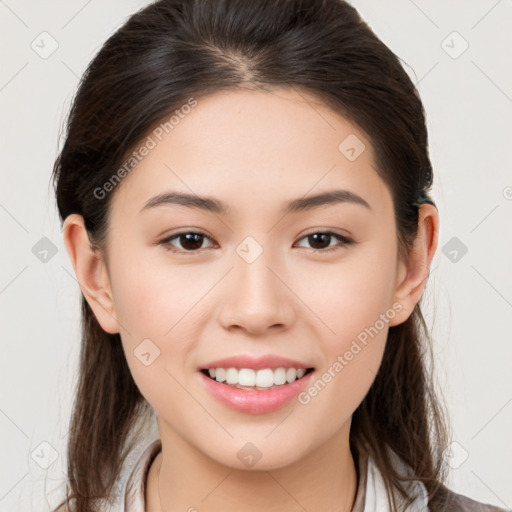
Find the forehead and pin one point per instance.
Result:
(243, 145)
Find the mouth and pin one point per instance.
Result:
(252, 379)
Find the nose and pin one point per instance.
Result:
(257, 299)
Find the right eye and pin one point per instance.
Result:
(191, 241)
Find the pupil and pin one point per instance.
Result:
(316, 236)
(190, 238)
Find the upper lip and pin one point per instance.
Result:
(256, 363)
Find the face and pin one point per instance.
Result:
(314, 283)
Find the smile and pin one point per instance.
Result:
(255, 399)
(248, 378)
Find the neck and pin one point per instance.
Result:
(182, 478)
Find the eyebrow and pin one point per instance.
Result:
(216, 206)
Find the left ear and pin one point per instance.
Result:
(413, 273)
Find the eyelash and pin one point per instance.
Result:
(166, 242)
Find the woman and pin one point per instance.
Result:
(244, 192)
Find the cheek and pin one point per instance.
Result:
(353, 295)
(152, 300)
(158, 334)
(355, 307)
(162, 314)
(355, 303)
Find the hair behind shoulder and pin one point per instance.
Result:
(174, 50)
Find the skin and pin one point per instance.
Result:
(253, 150)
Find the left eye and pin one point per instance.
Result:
(321, 237)
(192, 241)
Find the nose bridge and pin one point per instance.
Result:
(257, 299)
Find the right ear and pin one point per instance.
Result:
(91, 272)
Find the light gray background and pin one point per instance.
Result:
(468, 100)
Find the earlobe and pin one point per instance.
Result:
(91, 272)
(413, 274)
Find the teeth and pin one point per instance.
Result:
(248, 377)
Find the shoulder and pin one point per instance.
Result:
(446, 499)
(454, 502)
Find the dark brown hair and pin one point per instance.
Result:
(174, 50)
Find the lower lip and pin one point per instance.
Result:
(253, 401)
